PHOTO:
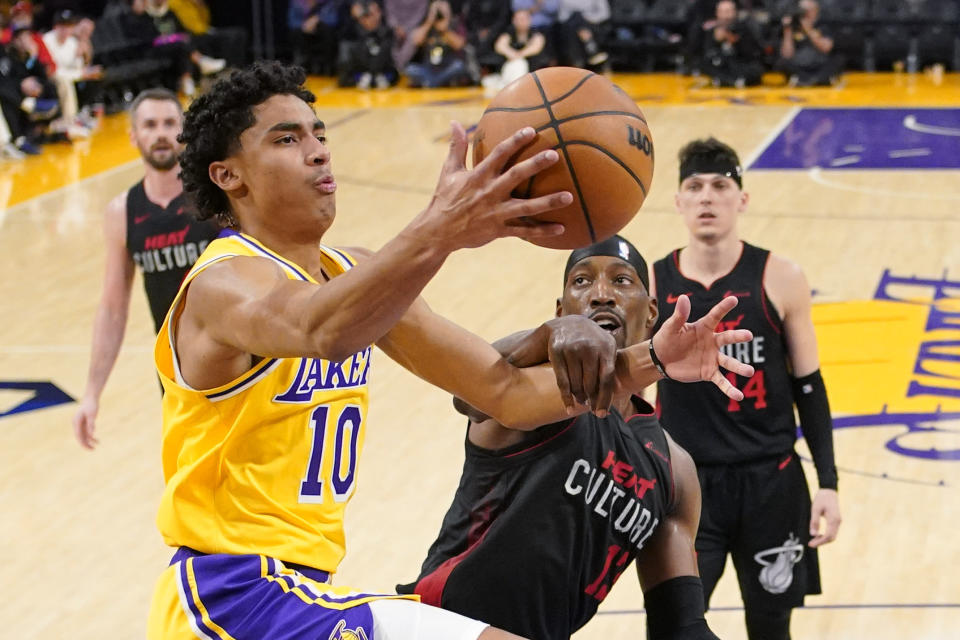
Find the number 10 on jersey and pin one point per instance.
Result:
(342, 480)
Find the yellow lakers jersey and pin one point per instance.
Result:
(266, 463)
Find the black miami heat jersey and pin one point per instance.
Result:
(713, 428)
(539, 532)
(164, 242)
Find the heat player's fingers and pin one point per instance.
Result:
(728, 389)
(590, 371)
(719, 310)
(563, 379)
(575, 376)
(732, 364)
(732, 336)
(606, 384)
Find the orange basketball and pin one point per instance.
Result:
(605, 147)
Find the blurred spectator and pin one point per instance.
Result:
(8, 150)
(403, 17)
(28, 98)
(169, 26)
(543, 14)
(194, 15)
(229, 43)
(485, 20)
(172, 42)
(365, 58)
(805, 49)
(440, 54)
(523, 49)
(729, 49)
(313, 25)
(583, 25)
(21, 17)
(83, 32)
(72, 68)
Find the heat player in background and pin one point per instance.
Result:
(150, 227)
(756, 504)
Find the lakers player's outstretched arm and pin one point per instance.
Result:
(463, 364)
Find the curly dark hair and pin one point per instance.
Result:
(709, 149)
(214, 122)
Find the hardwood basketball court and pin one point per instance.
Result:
(859, 185)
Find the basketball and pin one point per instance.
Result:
(605, 147)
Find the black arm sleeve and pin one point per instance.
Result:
(817, 425)
(675, 610)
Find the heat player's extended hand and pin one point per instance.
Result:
(690, 351)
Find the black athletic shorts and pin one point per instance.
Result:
(759, 512)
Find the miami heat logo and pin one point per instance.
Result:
(777, 573)
(340, 632)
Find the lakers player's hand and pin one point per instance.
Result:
(825, 508)
(690, 351)
(84, 423)
(471, 207)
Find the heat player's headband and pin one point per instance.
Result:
(615, 247)
(693, 166)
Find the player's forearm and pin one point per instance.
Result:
(529, 398)
(356, 309)
(108, 331)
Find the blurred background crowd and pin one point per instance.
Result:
(64, 63)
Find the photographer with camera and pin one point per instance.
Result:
(729, 49)
(364, 57)
(805, 51)
(439, 60)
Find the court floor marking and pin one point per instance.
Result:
(817, 175)
(910, 122)
(892, 605)
(770, 137)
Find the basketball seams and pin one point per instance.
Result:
(561, 147)
(546, 103)
(606, 152)
(593, 114)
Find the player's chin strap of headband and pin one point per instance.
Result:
(694, 166)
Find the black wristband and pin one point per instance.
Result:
(656, 362)
(675, 610)
(810, 396)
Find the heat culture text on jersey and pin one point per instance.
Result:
(615, 492)
(315, 374)
(168, 251)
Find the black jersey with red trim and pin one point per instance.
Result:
(539, 532)
(164, 242)
(713, 428)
